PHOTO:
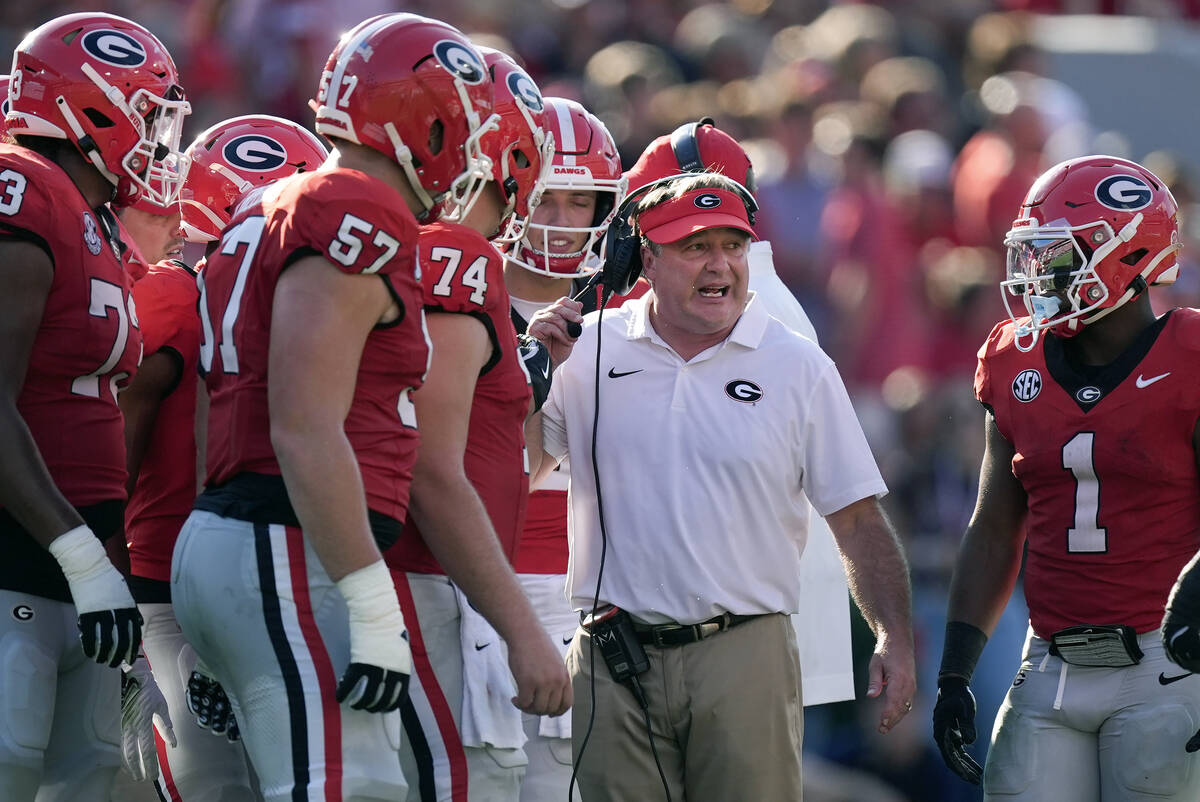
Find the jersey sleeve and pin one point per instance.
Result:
(460, 270)
(27, 209)
(986, 355)
(347, 218)
(165, 300)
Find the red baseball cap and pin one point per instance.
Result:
(697, 210)
(719, 152)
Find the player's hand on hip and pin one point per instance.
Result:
(110, 627)
(553, 325)
(954, 727)
(143, 709)
(210, 705)
(380, 659)
(893, 675)
(543, 684)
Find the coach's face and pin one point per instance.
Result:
(699, 281)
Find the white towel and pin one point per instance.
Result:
(488, 715)
(547, 593)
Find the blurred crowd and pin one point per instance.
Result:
(892, 144)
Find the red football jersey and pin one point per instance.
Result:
(88, 344)
(360, 225)
(166, 486)
(1107, 462)
(464, 274)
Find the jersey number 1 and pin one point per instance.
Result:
(1086, 534)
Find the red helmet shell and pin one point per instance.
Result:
(416, 90)
(233, 157)
(109, 86)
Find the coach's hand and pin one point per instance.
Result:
(143, 709)
(543, 684)
(954, 726)
(380, 659)
(210, 705)
(110, 627)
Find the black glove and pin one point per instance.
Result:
(1181, 640)
(209, 704)
(954, 726)
(537, 364)
(371, 688)
(111, 637)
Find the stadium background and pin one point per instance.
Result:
(892, 142)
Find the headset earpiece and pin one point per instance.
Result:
(622, 264)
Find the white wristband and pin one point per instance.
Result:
(376, 622)
(94, 582)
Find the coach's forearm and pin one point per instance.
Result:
(876, 569)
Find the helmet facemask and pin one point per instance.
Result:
(1055, 270)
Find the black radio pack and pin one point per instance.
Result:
(612, 632)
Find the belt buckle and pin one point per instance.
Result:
(657, 632)
(708, 629)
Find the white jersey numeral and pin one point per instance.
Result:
(14, 190)
(1086, 535)
(249, 233)
(105, 296)
(474, 276)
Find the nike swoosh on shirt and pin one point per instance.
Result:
(567, 639)
(1163, 679)
(479, 647)
(612, 373)
(1140, 382)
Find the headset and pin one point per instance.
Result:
(621, 267)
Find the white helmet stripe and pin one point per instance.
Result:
(348, 52)
(567, 128)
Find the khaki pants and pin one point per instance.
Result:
(725, 712)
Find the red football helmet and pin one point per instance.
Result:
(109, 86)
(416, 90)
(5, 81)
(585, 159)
(233, 157)
(521, 154)
(1092, 234)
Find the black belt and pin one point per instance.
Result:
(683, 634)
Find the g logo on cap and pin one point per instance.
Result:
(1127, 193)
(460, 60)
(114, 47)
(524, 89)
(254, 152)
(708, 200)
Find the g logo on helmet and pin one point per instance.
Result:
(743, 390)
(523, 88)
(1127, 193)
(254, 153)
(707, 201)
(114, 47)
(460, 60)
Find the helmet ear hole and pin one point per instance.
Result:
(1132, 259)
(436, 137)
(98, 118)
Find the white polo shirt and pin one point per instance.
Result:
(701, 465)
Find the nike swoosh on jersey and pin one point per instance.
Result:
(1140, 382)
(480, 647)
(1163, 679)
(612, 373)
(567, 640)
